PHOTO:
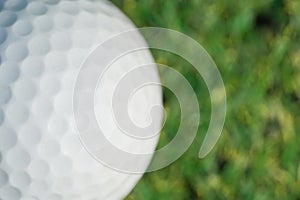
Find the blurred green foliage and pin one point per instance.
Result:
(256, 46)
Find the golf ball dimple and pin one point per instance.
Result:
(42, 47)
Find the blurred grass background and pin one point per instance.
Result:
(256, 46)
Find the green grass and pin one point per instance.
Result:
(256, 46)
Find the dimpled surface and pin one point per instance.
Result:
(42, 45)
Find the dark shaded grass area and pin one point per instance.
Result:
(256, 46)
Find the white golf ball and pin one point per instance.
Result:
(42, 47)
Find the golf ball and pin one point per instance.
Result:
(43, 44)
